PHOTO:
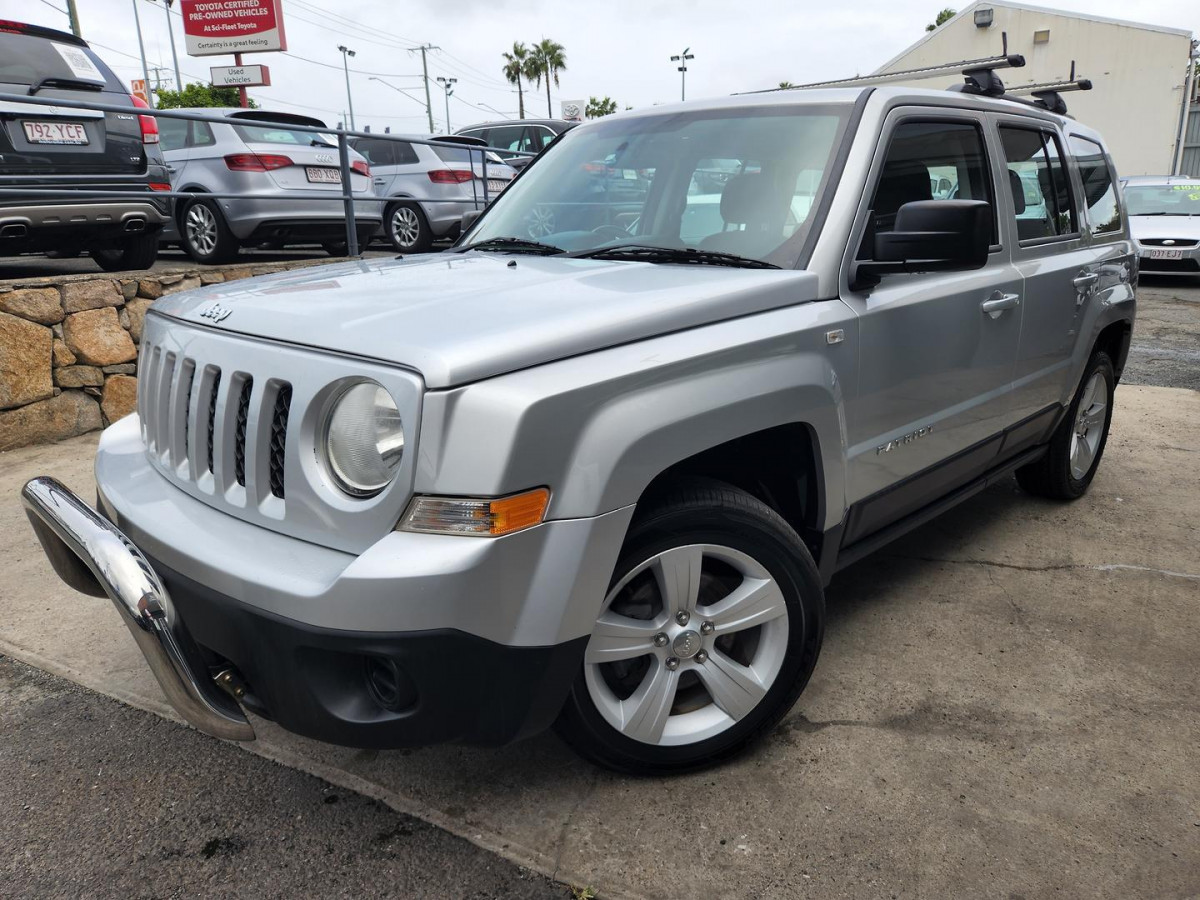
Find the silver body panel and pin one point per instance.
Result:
(591, 378)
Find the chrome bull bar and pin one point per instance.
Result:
(91, 555)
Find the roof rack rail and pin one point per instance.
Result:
(966, 66)
(1048, 94)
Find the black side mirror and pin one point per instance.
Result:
(929, 236)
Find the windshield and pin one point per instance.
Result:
(742, 181)
(1163, 199)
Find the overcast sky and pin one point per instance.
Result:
(618, 48)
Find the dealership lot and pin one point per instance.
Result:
(1006, 698)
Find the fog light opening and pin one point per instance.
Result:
(388, 686)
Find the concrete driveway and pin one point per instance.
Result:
(1006, 705)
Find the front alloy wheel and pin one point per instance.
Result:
(708, 633)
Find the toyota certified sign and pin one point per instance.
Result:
(214, 27)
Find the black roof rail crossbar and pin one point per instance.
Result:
(966, 66)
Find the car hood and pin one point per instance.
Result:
(457, 318)
(1187, 227)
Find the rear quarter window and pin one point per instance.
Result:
(1100, 194)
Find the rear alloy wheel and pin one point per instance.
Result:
(134, 253)
(707, 636)
(1071, 460)
(407, 228)
(206, 237)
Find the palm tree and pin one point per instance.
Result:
(546, 60)
(516, 67)
(786, 85)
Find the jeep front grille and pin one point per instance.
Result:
(203, 423)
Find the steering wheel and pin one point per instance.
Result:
(611, 231)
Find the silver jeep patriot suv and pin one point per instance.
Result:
(594, 465)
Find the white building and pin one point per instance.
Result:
(1139, 72)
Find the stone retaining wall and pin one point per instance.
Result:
(68, 347)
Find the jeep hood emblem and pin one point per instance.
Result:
(216, 313)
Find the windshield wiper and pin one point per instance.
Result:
(316, 143)
(651, 253)
(53, 81)
(514, 245)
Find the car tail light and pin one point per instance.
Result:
(160, 185)
(361, 167)
(256, 162)
(149, 124)
(450, 176)
(595, 168)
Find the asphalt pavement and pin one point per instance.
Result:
(102, 800)
(1166, 339)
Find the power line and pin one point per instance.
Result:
(56, 8)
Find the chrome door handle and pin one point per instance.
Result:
(379, 181)
(1085, 280)
(170, 168)
(996, 304)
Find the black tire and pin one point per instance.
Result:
(419, 239)
(709, 512)
(1052, 475)
(220, 245)
(134, 253)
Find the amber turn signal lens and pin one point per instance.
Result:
(479, 517)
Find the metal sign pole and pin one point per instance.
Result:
(347, 194)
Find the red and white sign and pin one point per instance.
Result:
(138, 89)
(240, 76)
(215, 27)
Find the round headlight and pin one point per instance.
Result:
(364, 439)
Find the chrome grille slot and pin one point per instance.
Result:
(277, 445)
(239, 431)
(214, 394)
(181, 397)
(162, 405)
(151, 400)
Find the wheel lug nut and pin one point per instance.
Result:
(672, 663)
(660, 640)
(682, 617)
(701, 656)
(706, 627)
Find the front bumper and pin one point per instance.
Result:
(1188, 264)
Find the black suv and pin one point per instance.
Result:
(53, 147)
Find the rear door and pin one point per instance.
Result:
(380, 154)
(1054, 256)
(936, 366)
(48, 140)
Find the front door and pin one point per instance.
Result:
(937, 349)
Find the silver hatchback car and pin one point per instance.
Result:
(260, 155)
(445, 180)
(1164, 219)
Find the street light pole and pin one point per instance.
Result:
(171, 37)
(682, 59)
(346, 54)
(447, 86)
(137, 22)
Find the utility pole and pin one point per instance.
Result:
(346, 54)
(73, 15)
(424, 48)
(448, 86)
(137, 21)
(682, 59)
(171, 37)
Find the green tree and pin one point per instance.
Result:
(597, 108)
(546, 60)
(197, 95)
(785, 85)
(942, 18)
(516, 67)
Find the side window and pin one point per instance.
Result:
(1038, 182)
(202, 135)
(1098, 191)
(405, 154)
(377, 152)
(929, 161)
(172, 133)
(540, 137)
(507, 137)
